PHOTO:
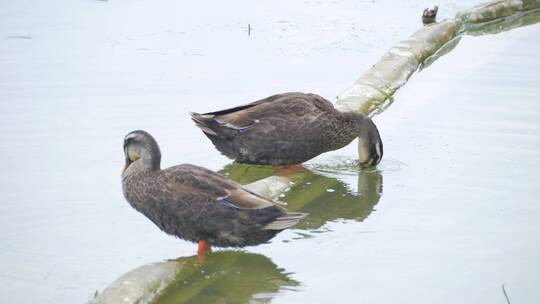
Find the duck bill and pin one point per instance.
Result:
(128, 162)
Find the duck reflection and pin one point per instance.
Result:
(224, 277)
(317, 192)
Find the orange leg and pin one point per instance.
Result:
(202, 247)
(291, 169)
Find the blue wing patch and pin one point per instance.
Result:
(228, 203)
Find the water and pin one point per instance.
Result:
(449, 216)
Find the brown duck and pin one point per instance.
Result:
(197, 204)
(289, 128)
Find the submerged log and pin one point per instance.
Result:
(496, 26)
(496, 10)
(139, 285)
(392, 71)
(375, 88)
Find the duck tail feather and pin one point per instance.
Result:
(283, 222)
(205, 123)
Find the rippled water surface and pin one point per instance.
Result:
(449, 216)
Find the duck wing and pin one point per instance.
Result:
(242, 199)
(268, 99)
(212, 187)
(228, 123)
(222, 190)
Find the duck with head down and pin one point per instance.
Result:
(287, 129)
(197, 204)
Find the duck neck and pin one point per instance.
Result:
(353, 122)
(150, 161)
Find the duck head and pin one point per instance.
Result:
(141, 151)
(370, 147)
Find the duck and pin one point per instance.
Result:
(429, 15)
(289, 129)
(197, 204)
